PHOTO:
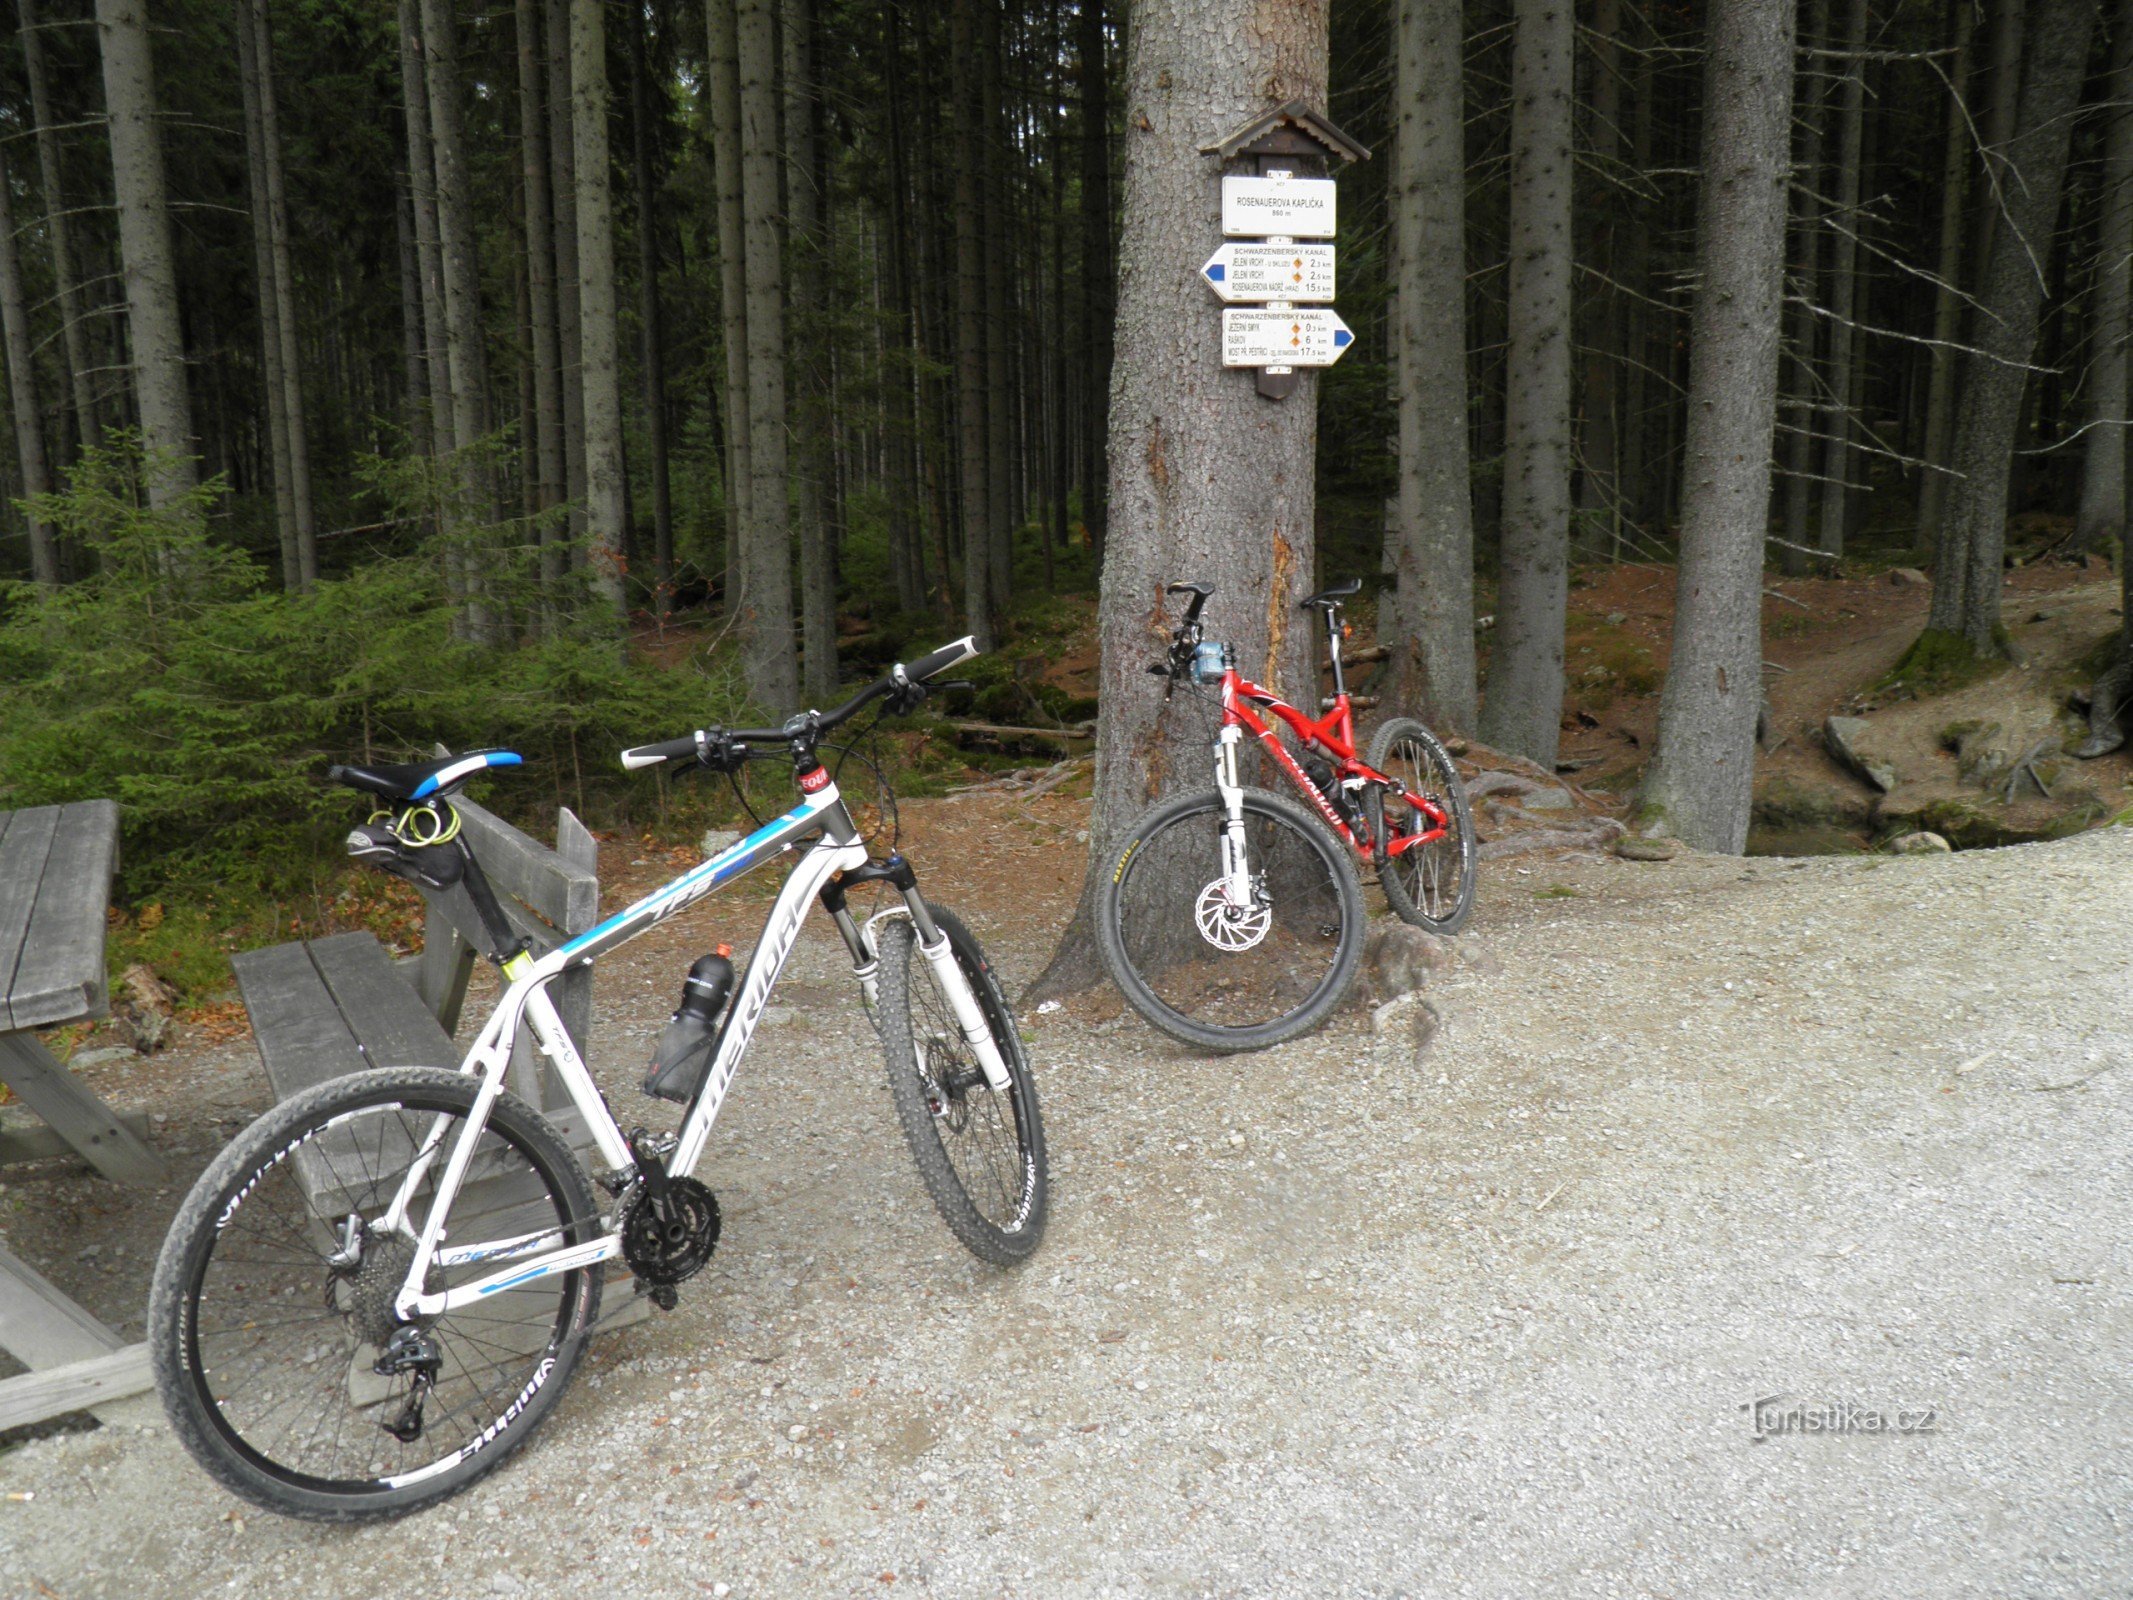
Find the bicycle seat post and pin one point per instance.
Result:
(1333, 648)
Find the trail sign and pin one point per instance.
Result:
(1313, 337)
(1271, 272)
(1294, 208)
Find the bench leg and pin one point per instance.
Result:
(84, 1121)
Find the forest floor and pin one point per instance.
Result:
(1480, 1316)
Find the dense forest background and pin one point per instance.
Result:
(564, 373)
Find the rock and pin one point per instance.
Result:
(1389, 1017)
(1476, 956)
(1426, 1024)
(717, 839)
(2043, 614)
(1548, 800)
(1631, 848)
(1398, 959)
(1487, 783)
(97, 1058)
(148, 1006)
(1908, 578)
(1850, 740)
(1615, 619)
(1921, 843)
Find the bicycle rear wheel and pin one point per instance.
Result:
(1430, 885)
(271, 1314)
(1218, 975)
(979, 1150)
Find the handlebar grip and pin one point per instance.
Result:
(650, 755)
(948, 655)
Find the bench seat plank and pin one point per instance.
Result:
(303, 1038)
(60, 977)
(23, 848)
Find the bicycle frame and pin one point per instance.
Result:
(1335, 735)
(835, 849)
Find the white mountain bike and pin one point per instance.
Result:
(383, 1285)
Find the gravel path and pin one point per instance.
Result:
(1348, 1319)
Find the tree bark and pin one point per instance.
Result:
(152, 320)
(1947, 302)
(1844, 285)
(598, 329)
(723, 92)
(414, 376)
(1431, 554)
(22, 390)
(544, 451)
(466, 351)
(73, 310)
(811, 416)
(1599, 496)
(975, 467)
(766, 616)
(1001, 499)
(2101, 523)
(651, 320)
(429, 246)
(1525, 699)
(291, 385)
(1208, 480)
(1967, 575)
(1806, 325)
(904, 386)
(1703, 770)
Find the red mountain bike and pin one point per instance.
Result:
(1276, 913)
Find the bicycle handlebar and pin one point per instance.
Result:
(711, 746)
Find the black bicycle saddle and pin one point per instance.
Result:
(1326, 599)
(418, 780)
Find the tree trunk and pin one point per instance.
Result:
(812, 418)
(1599, 493)
(1703, 770)
(544, 451)
(1844, 285)
(22, 390)
(414, 376)
(59, 225)
(1098, 279)
(1208, 480)
(724, 94)
(2102, 520)
(598, 330)
(766, 617)
(1967, 575)
(1999, 130)
(1001, 499)
(1799, 436)
(651, 320)
(291, 385)
(902, 381)
(1431, 554)
(1525, 700)
(975, 471)
(569, 318)
(1947, 302)
(466, 350)
(429, 247)
(152, 320)
(268, 298)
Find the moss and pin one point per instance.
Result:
(2098, 658)
(1951, 737)
(1556, 891)
(1939, 661)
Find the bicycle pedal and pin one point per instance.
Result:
(663, 1296)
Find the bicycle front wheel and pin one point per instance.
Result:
(979, 1150)
(278, 1353)
(1215, 973)
(1430, 885)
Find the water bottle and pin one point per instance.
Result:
(683, 1055)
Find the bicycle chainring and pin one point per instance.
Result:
(668, 1241)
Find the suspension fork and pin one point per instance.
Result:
(932, 944)
(1236, 870)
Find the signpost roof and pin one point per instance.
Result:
(1293, 129)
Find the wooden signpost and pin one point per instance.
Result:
(1275, 194)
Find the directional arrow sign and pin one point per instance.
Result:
(1295, 208)
(1271, 272)
(1308, 338)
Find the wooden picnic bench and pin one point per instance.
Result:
(56, 864)
(323, 1008)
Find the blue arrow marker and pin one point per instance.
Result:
(1342, 338)
(1216, 271)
